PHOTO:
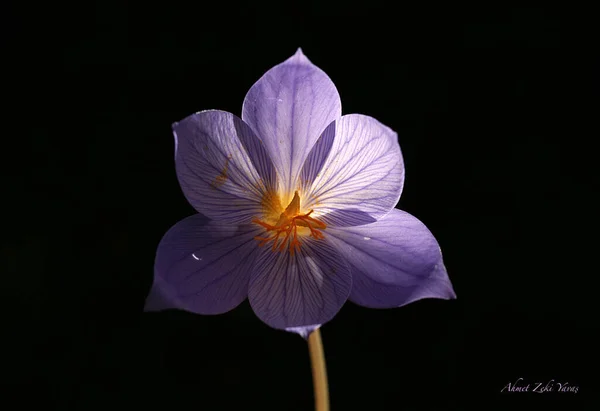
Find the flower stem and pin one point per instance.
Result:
(319, 373)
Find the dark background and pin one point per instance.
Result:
(495, 109)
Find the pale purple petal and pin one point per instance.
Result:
(223, 169)
(306, 289)
(288, 108)
(393, 261)
(346, 218)
(203, 266)
(364, 171)
(316, 158)
(370, 293)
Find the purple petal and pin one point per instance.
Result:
(202, 266)
(364, 171)
(223, 169)
(346, 218)
(306, 289)
(393, 261)
(288, 108)
(316, 158)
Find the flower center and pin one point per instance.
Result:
(286, 232)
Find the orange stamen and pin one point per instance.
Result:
(288, 223)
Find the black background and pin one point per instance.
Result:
(495, 109)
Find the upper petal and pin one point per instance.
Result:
(288, 108)
(222, 167)
(317, 156)
(202, 266)
(364, 172)
(306, 289)
(393, 261)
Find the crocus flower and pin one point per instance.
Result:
(296, 210)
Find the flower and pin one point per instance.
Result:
(296, 210)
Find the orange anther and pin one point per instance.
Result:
(288, 223)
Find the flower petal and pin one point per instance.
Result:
(288, 108)
(306, 289)
(393, 261)
(223, 169)
(363, 172)
(202, 266)
(316, 158)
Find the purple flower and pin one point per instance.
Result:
(296, 208)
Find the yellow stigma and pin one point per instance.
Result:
(285, 230)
